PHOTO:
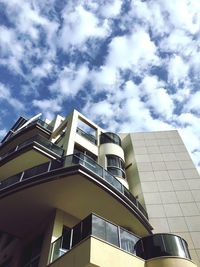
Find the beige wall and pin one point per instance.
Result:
(170, 185)
(169, 262)
(94, 252)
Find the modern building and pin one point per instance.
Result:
(74, 195)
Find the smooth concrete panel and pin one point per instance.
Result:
(168, 197)
(172, 210)
(160, 225)
(169, 262)
(184, 196)
(106, 255)
(189, 209)
(177, 224)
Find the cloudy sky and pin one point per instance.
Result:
(127, 65)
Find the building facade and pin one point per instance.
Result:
(74, 195)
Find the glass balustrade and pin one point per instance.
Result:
(78, 159)
(159, 245)
(88, 136)
(41, 141)
(148, 247)
(97, 227)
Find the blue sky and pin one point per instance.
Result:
(127, 65)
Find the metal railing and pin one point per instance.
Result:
(36, 122)
(88, 136)
(36, 139)
(96, 226)
(76, 160)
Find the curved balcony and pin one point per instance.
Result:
(159, 245)
(14, 138)
(94, 225)
(78, 159)
(38, 139)
(110, 138)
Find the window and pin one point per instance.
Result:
(105, 230)
(80, 149)
(66, 233)
(116, 166)
(110, 138)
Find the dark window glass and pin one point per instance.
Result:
(110, 138)
(162, 245)
(76, 234)
(139, 248)
(86, 226)
(36, 170)
(173, 245)
(116, 172)
(66, 238)
(55, 164)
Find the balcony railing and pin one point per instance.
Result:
(88, 136)
(148, 247)
(75, 160)
(159, 245)
(40, 122)
(96, 226)
(36, 139)
(37, 122)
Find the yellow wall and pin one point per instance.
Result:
(169, 262)
(94, 252)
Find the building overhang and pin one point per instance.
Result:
(75, 190)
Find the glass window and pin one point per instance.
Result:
(66, 233)
(98, 227)
(112, 234)
(86, 226)
(76, 234)
(128, 241)
(110, 138)
(105, 230)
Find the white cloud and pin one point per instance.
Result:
(193, 103)
(42, 70)
(134, 50)
(70, 81)
(177, 70)
(79, 26)
(157, 97)
(111, 9)
(5, 94)
(183, 14)
(114, 50)
(48, 107)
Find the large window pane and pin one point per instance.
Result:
(128, 241)
(112, 234)
(86, 226)
(98, 227)
(66, 234)
(76, 234)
